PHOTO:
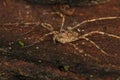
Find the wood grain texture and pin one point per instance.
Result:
(46, 60)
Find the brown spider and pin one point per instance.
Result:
(69, 35)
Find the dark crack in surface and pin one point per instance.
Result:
(69, 2)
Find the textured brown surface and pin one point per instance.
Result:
(55, 61)
(70, 2)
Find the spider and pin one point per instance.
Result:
(69, 35)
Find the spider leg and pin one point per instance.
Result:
(92, 42)
(93, 20)
(63, 19)
(102, 33)
(81, 51)
(47, 26)
(97, 46)
(41, 39)
(21, 23)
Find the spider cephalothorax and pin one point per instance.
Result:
(66, 36)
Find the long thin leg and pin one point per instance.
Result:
(81, 51)
(16, 24)
(97, 46)
(63, 19)
(102, 33)
(41, 39)
(93, 20)
(26, 24)
(98, 32)
(47, 26)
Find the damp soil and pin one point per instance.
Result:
(49, 60)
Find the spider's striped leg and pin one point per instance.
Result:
(101, 33)
(92, 42)
(22, 24)
(41, 39)
(63, 19)
(94, 20)
(98, 32)
(47, 26)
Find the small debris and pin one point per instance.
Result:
(9, 48)
(2, 74)
(66, 67)
(78, 30)
(66, 9)
(83, 30)
(39, 61)
(91, 76)
(83, 43)
(37, 47)
(11, 43)
(118, 78)
(21, 43)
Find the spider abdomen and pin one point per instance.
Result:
(66, 36)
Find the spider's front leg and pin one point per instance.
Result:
(62, 16)
(101, 33)
(41, 39)
(94, 20)
(92, 42)
(46, 26)
(19, 24)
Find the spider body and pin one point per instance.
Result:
(66, 36)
